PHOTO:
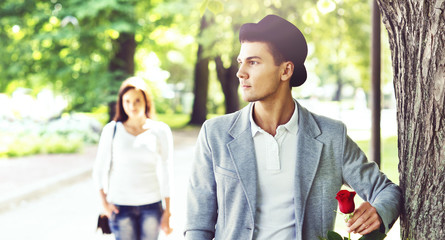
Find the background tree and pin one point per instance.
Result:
(201, 80)
(337, 32)
(417, 39)
(81, 49)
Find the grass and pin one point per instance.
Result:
(31, 144)
(389, 158)
(175, 121)
(179, 120)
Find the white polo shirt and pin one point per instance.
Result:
(276, 157)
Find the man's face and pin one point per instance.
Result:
(258, 75)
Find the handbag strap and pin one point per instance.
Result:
(111, 156)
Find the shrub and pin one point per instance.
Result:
(67, 134)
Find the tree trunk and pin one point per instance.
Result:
(337, 95)
(417, 40)
(121, 66)
(229, 83)
(201, 86)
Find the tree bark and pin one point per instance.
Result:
(121, 65)
(417, 39)
(337, 95)
(201, 86)
(229, 83)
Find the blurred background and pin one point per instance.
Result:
(62, 62)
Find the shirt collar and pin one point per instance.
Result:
(291, 126)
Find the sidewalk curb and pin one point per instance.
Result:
(14, 199)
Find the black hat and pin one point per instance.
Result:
(285, 37)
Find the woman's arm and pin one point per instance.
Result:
(108, 207)
(165, 220)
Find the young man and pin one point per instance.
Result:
(272, 169)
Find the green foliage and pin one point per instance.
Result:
(67, 45)
(25, 144)
(175, 121)
(214, 6)
(61, 144)
(375, 235)
(338, 35)
(65, 135)
(99, 113)
(334, 236)
(20, 146)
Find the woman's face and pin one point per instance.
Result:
(134, 103)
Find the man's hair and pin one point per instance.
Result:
(285, 42)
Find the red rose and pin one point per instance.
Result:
(345, 200)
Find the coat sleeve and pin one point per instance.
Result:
(201, 195)
(370, 183)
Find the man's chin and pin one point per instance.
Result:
(248, 99)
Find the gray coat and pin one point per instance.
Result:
(221, 198)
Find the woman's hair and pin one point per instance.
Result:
(138, 84)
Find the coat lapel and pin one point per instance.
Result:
(242, 151)
(309, 151)
(308, 156)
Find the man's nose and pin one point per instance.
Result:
(241, 74)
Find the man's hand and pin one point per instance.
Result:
(365, 220)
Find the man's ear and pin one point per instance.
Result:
(288, 70)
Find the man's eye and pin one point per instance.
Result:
(253, 62)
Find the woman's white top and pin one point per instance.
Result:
(141, 165)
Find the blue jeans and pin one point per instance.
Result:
(137, 222)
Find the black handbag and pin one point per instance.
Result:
(102, 224)
(102, 221)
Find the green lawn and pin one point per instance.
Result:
(175, 121)
(389, 158)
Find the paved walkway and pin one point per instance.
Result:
(26, 178)
(52, 196)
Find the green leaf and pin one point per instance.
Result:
(334, 236)
(215, 6)
(375, 235)
(203, 7)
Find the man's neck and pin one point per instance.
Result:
(270, 115)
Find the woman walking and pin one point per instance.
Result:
(133, 165)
